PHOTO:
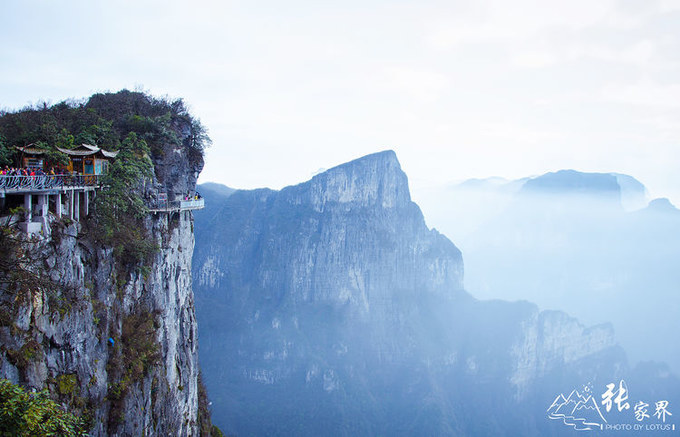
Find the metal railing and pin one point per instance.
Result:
(176, 205)
(46, 182)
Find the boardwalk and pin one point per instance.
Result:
(177, 205)
(45, 193)
(36, 184)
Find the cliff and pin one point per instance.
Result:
(330, 308)
(295, 240)
(115, 342)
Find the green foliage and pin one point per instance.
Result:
(105, 120)
(6, 154)
(52, 154)
(125, 174)
(101, 132)
(120, 208)
(140, 346)
(140, 352)
(64, 139)
(205, 426)
(16, 272)
(216, 432)
(34, 414)
(66, 384)
(29, 352)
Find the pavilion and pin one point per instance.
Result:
(43, 193)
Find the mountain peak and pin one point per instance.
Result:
(372, 180)
(384, 160)
(572, 181)
(661, 204)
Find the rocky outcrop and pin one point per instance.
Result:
(330, 308)
(551, 339)
(70, 330)
(116, 344)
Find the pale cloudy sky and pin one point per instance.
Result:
(457, 88)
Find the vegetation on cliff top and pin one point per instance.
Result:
(105, 120)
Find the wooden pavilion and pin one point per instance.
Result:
(85, 159)
(88, 160)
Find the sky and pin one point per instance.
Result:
(459, 89)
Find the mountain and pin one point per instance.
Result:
(617, 188)
(584, 243)
(634, 194)
(102, 317)
(662, 206)
(330, 308)
(211, 188)
(574, 182)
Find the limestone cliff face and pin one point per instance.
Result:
(332, 240)
(330, 307)
(551, 339)
(117, 346)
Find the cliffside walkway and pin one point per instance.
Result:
(60, 194)
(69, 195)
(177, 205)
(13, 184)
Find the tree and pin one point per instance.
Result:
(120, 208)
(34, 414)
(52, 154)
(6, 154)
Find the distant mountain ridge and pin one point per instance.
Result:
(217, 189)
(591, 244)
(567, 181)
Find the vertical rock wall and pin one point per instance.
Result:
(59, 338)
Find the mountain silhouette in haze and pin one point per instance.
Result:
(590, 244)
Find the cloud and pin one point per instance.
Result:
(506, 22)
(476, 87)
(419, 84)
(646, 93)
(639, 53)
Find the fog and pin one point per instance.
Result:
(587, 244)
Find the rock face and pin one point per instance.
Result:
(330, 308)
(118, 347)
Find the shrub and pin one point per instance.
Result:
(140, 352)
(120, 208)
(34, 414)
